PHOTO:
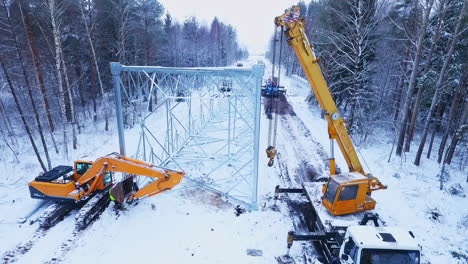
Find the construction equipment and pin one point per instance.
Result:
(86, 184)
(347, 239)
(344, 193)
(338, 227)
(272, 87)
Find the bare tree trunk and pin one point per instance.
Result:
(83, 107)
(6, 118)
(461, 130)
(93, 89)
(70, 99)
(93, 52)
(414, 72)
(58, 65)
(148, 46)
(459, 94)
(435, 99)
(398, 96)
(427, 67)
(440, 111)
(455, 139)
(23, 119)
(28, 86)
(9, 146)
(81, 85)
(37, 64)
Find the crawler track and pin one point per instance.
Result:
(71, 218)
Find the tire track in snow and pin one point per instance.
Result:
(22, 248)
(33, 249)
(300, 158)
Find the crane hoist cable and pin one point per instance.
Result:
(278, 86)
(269, 106)
(272, 129)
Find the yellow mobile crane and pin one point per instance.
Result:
(344, 193)
(336, 229)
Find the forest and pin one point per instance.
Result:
(55, 54)
(398, 67)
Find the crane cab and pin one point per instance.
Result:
(347, 193)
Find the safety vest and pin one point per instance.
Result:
(111, 197)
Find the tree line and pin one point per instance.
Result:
(398, 65)
(55, 55)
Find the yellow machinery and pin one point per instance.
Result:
(60, 184)
(344, 193)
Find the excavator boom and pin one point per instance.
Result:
(166, 179)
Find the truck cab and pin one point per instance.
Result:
(379, 245)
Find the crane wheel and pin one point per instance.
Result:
(270, 163)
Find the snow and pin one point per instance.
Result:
(352, 176)
(191, 225)
(371, 237)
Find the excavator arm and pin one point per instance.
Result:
(298, 40)
(166, 179)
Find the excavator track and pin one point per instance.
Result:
(54, 214)
(92, 209)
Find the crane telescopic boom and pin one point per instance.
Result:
(361, 201)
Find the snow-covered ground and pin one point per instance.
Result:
(189, 224)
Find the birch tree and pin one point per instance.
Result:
(55, 12)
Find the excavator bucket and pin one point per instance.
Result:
(122, 190)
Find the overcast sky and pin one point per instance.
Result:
(253, 19)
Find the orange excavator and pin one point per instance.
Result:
(86, 186)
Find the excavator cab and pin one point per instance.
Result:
(81, 167)
(347, 193)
